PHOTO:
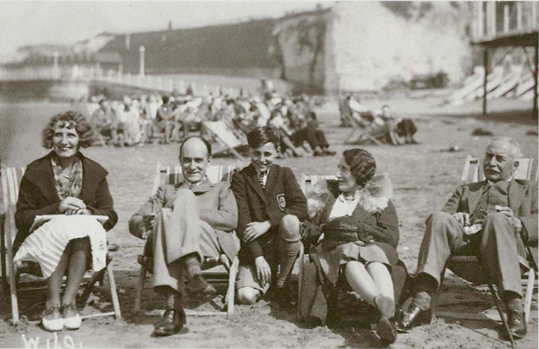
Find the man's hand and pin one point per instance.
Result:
(255, 229)
(84, 211)
(148, 220)
(517, 223)
(463, 218)
(263, 270)
(70, 205)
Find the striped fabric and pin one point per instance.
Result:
(473, 170)
(307, 180)
(11, 179)
(173, 174)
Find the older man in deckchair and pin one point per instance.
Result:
(194, 219)
(495, 219)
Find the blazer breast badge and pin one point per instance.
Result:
(281, 201)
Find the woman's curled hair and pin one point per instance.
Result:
(362, 165)
(69, 119)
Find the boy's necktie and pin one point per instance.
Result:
(261, 179)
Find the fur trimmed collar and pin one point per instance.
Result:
(374, 196)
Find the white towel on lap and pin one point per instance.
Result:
(47, 244)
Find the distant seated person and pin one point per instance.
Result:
(307, 130)
(67, 184)
(495, 220)
(165, 118)
(188, 222)
(404, 128)
(105, 123)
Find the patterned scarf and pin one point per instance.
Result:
(67, 185)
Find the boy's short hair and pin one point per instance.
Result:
(262, 135)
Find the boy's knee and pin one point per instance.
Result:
(248, 295)
(290, 227)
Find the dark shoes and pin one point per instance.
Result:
(516, 324)
(171, 322)
(386, 330)
(199, 287)
(414, 316)
(282, 297)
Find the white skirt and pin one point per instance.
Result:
(46, 245)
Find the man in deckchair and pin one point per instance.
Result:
(496, 220)
(191, 220)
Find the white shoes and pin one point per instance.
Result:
(52, 319)
(55, 319)
(70, 321)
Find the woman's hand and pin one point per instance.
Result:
(84, 211)
(255, 229)
(263, 270)
(70, 205)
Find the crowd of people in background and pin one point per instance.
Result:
(170, 118)
(144, 119)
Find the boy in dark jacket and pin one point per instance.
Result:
(271, 207)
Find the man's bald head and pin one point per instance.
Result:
(196, 140)
(195, 154)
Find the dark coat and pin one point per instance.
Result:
(38, 195)
(522, 197)
(318, 297)
(282, 196)
(383, 226)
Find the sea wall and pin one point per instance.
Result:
(34, 90)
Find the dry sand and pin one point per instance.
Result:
(423, 177)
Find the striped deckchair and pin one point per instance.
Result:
(11, 178)
(225, 136)
(172, 175)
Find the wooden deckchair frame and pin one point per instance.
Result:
(10, 188)
(173, 174)
(363, 134)
(473, 172)
(217, 128)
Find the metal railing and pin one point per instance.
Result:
(78, 73)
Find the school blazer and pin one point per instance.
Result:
(38, 195)
(282, 196)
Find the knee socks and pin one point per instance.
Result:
(174, 299)
(192, 265)
(288, 252)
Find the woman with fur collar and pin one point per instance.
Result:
(360, 234)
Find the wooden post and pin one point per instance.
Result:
(506, 19)
(485, 65)
(519, 16)
(491, 13)
(534, 14)
(535, 77)
(480, 20)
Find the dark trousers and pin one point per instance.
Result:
(311, 134)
